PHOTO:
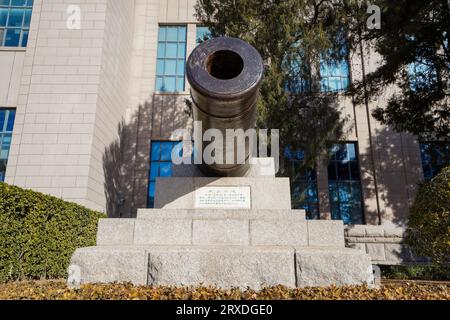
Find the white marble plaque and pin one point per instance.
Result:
(218, 197)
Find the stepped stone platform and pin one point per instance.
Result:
(225, 248)
(253, 240)
(220, 227)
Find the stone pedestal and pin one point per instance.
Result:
(186, 193)
(225, 232)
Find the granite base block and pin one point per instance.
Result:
(225, 267)
(332, 266)
(108, 264)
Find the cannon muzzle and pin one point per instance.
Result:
(225, 75)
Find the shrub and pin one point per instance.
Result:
(416, 272)
(39, 233)
(429, 221)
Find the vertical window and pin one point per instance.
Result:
(15, 17)
(7, 117)
(335, 75)
(304, 193)
(421, 75)
(170, 65)
(298, 71)
(422, 72)
(435, 156)
(296, 82)
(160, 164)
(344, 184)
(202, 34)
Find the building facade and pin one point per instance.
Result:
(89, 107)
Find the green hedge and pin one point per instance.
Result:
(429, 221)
(39, 233)
(416, 272)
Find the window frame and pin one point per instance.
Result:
(23, 28)
(311, 207)
(421, 75)
(5, 132)
(197, 27)
(348, 76)
(158, 160)
(344, 80)
(163, 59)
(298, 86)
(305, 180)
(345, 183)
(429, 169)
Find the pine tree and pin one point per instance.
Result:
(291, 36)
(413, 42)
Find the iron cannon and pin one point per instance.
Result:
(225, 75)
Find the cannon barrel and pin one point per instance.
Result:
(225, 75)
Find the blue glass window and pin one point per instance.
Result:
(344, 184)
(160, 164)
(203, 34)
(296, 82)
(435, 156)
(421, 75)
(304, 193)
(298, 71)
(15, 17)
(7, 117)
(335, 75)
(170, 64)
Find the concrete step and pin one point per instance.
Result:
(220, 213)
(293, 231)
(221, 266)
